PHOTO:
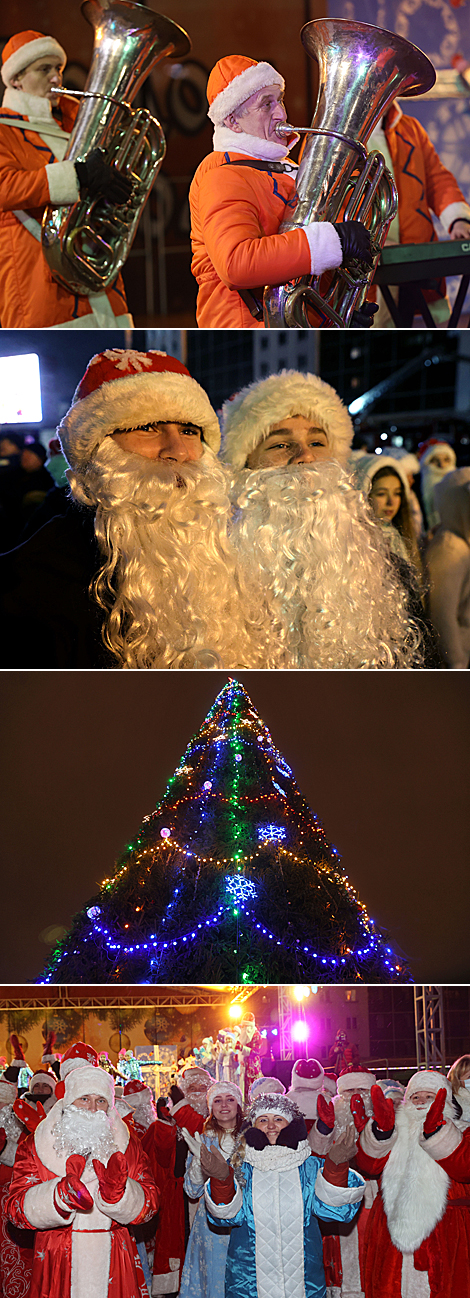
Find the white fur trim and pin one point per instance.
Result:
(336, 1195)
(63, 183)
(39, 1207)
(223, 1210)
(427, 1080)
(242, 88)
(30, 106)
(249, 416)
(375, 1148)
(137, 397)
(226, 141)
(90, 1263)
(363, 1081)
(167, 1283)
(28, 53)
(41, 1075)
(319, 1144)
(88, 1081)
(454, 212)
(324, 242)
(443, 1143)
(414, 1187)
(126, 1209)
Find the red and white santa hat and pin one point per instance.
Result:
(330, 1083)
(136, 1093)
(233, 80)
(43, 1075)
(428, 1080)
(355, 1077)
(122, 389)
(250, 415)
(223, 1088)
(88, 1080)
(192, 1075)
(306, 1084)
(426, 449)
(25, 48)
(78, 1056)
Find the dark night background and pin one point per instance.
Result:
(381, 757)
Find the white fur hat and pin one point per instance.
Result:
(265, 1086)
(355, 1076)
(306, 1084)
(43, 1075)
(250, 415)
(223, 1088)
(122, 389)
(428, 1081)
(233, 80)
(365, 469)
(86, 1081)
(24, 48)
(77, 1056)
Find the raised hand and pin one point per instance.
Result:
(113, 1178)
(384, 1112)
(325, 1113)
(29, 1114)
(71, 1193)
(213, 1163)
(358, 1110)
(343, 1150)
(435, 1119)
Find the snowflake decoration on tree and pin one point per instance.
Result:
(240, 889)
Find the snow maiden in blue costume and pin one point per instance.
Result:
(275, 1248)
(206, 1256)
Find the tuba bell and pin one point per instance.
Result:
(362, 70)
(86, 243)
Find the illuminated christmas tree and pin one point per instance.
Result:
(230, 879)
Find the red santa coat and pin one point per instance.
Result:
(160, 1145)
(235, 217)
(92, 1255)
(29, 296)
(444, 1252)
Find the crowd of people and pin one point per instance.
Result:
(288, 549)
(339, 1187)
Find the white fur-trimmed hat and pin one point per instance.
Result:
(427, 449)
(250, 415)
(121, 389)
(136, 1094)
(366, 468)
(282, 1106)
(233, 80)
(265, 1086)
(355, 1076)
(43, 1075)
(24, 48)
(191, 1075)
(86, 1081)
(306, 1084)
(427, 1080)
(77, 1056)
(224, 1088)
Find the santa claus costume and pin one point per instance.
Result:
(166, 1150)
(418, 1237)
(343, 1253)
(79, 1205)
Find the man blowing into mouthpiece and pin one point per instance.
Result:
(240, 195)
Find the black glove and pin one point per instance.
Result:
(292, 1134)
(101, 180)
(355, 241)
(256, 1139)
(364, 318)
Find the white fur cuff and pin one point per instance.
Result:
(375, 1148)
(39, 1207)
(128, 1208)
(335, 1196)
(454, 212)
(444, 1143)
(63, 183)
(224, 1210)
(325, 247)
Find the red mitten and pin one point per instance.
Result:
(71, 1193)
(384, 1112)
(29, 1114)
(358, 1111)
(435, 1119)
(113, 1178)
(18, 1053)
(3, 1139)
(326, 1112)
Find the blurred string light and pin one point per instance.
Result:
(211, 780)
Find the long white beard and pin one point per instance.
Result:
(198, 1102)
(169, 577)
(344, 1120)
(430, 476)
(414, 1187)
(81, 1132)
(144, 1113)
(308, 541)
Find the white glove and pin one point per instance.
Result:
(193, 1142)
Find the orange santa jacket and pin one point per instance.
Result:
(236, 213)
(29, 297)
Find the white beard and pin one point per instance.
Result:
(198, 1102)
(144, 1113)
(81, 1132)
(308, 542)
(430, 476)
(169, 579)
(414, 1187)
(13, 1129)
(344, 1120)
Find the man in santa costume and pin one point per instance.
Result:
(149, 539)
(80, 1181)
(424, 186)
(436, 458)
(35, 126)
(240, 195)
(167, 1150)
(140, 1100)
(305, 536)
(418, 1237)
(343, 1252)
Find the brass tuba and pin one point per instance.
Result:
(86, 243)
(362, 70)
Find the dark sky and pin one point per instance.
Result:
(381, 757)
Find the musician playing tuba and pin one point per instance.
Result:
(35, 124)
(239, 196)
